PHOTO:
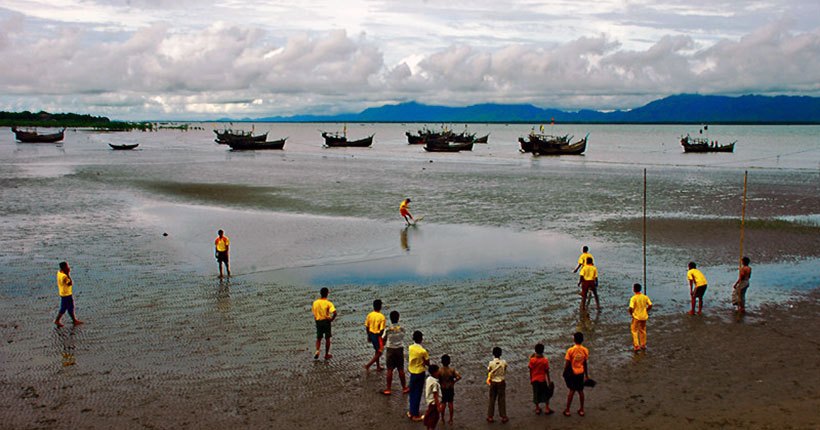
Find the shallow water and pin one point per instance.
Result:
(491, 263)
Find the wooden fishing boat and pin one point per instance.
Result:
(250, 144)
(447, 146)
(425, 136)
(699, 144)
(482, 139)
(543, 140)
(415, 139)
(34, 137)
(123, 147)
(553, 145)
(226, 136)
(338, 140)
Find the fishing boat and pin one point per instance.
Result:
(34, 137)
(443, 145)
(223, 138)
(699, 144)
(250, 144)
(482, 139)
(333, 140)
(553, 145)
(424, 136)
(123, 147)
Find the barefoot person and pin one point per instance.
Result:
(432, 396)
(588, 281)
(739, 289)
(576, 372)
(65, 288)
(393, 339)
(417, 364)
(540, 380)
(404, 210)
(222, 245)
(448, 377)
(374, 326)
(497, 380)
(697, 287)
(324, 313)
(639, 307)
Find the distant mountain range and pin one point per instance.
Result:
(678, 109)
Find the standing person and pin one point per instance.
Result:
(432, 391)
(576, 372)
(588, 281)
(394, 356)
(639, 307)
(447, 377)
(496, 379)
(697, 286)
(417, 364)
(582, 260)
(324, 313)
(404, 210)
(540, 380)
(222, 244)
(374, 326)
(742, 283)
(65, 289)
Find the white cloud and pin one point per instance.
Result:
(185, 59)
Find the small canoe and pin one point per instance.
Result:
(444, 146)
(250, 145)
(123, 147)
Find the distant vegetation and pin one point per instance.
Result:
(71, 120)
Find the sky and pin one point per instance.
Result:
(211, 59)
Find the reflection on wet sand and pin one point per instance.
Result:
(403, 238)
(66, 338)
(223, 296)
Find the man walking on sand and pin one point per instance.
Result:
(222, 244)
(639, 307)
(65, 286)
(324, 313)
(742, 284)
(697, 286)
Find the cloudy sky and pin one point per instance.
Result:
(206, 59)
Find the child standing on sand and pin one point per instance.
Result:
(447, 377)
(418, 361)
(576, 372)
(496, 379)
(540, 380)
(432, 391)
(374, 326)
(697, 286)
(393, 338)
(639, 306)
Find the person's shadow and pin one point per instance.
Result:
(405, 244)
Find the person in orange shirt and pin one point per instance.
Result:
(639, 307)
(404, 210)
(222, 244)
(576, 372)
(540, 380)
(324, 313)
(588, 281)
(374, 326)
(65, 288)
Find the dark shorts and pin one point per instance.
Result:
(323, 329)
(700, 291)
(431, 416)
(375, 340)
(222, 256)
(447, 394)
(67, 304)
(395, 358)
(574, 382)
(542, 392)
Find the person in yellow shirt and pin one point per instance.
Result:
(576, 372)
(697, 287)
(404, 210)
(588, 281)
(639, 307)
(65, 288)
(374, 326)
(417, 364)
(582, 260)
(324, 313)
(222, 244)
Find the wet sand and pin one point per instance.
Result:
(167, 345)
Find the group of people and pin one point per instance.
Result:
(436, 382)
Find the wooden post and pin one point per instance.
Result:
(645, 286)
(743, 217)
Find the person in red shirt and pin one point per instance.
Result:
(542, 387)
